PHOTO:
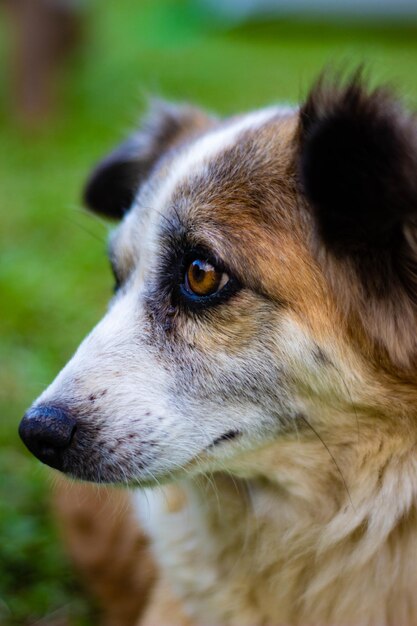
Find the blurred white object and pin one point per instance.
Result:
(357, 9)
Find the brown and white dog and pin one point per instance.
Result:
(256, 373)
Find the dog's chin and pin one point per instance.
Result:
(117, 479)
(117, 476)
(124, 476)
(113, 472)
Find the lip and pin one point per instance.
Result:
(227, 436)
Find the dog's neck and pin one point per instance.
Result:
(305, 521)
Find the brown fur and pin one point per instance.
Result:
(365, 231)
(108, 548)
(315, 520)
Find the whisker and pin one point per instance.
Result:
(95, 217)
(331, 456)
(87, 230)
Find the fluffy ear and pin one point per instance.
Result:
(358, 165)
(115, 181)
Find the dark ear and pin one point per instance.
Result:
(358, 165)
(115, 181)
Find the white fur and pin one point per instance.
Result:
(275, 526)
(211, 144)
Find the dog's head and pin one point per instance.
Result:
(265, 272)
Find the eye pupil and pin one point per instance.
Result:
(200, 271)
(202, 278)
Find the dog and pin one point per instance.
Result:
(255, 374)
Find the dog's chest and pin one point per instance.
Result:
(219, 558)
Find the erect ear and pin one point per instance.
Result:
(115, 181)
(357, 163)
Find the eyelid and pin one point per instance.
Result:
(201, 252)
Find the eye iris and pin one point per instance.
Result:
(202, 278)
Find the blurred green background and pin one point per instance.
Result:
(54, 279)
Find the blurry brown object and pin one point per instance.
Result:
(44, 33)
(164, 609)
(108, 548)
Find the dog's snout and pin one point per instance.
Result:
(47, 432)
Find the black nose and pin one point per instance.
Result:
(47, 431)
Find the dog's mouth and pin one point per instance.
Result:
(227, 436)
(57, 439)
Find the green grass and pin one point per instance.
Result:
(54, 280)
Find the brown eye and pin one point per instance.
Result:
(203, 279)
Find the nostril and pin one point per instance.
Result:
(47, 431)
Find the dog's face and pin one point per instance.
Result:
(264, 268)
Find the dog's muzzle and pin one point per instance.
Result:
(47, 432)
